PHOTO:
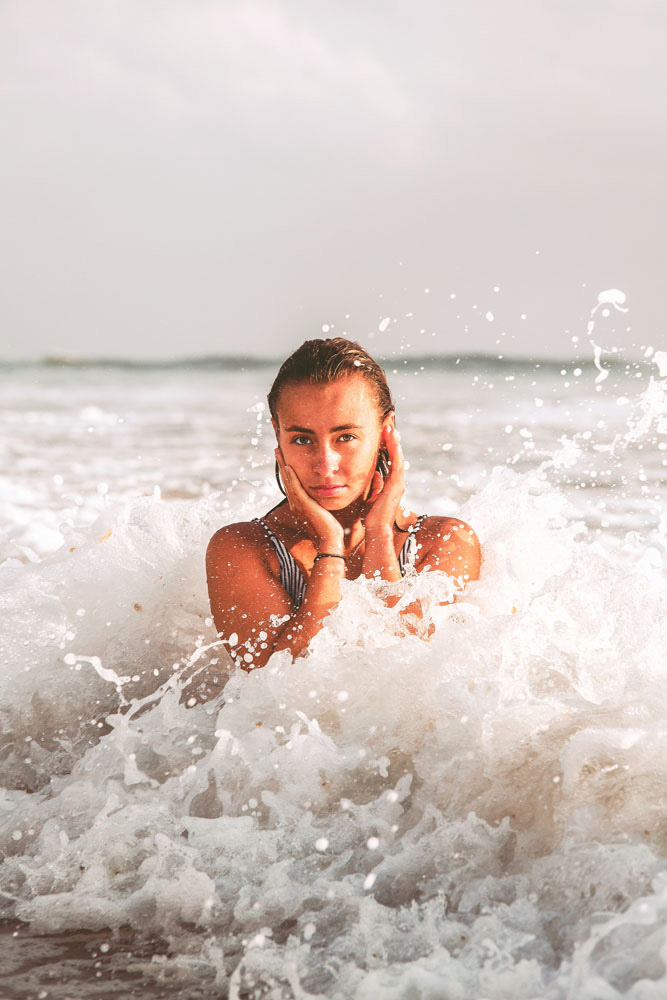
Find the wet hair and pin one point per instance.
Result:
(327, 360)
(321, 361)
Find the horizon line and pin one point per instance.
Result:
(240, 361)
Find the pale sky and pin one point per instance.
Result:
(188, 177)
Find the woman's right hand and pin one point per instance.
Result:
(322, 527)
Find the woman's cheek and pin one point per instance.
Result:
(299, 462)
(366, 464)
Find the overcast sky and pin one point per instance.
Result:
(186, 177)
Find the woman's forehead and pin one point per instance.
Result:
(347, 400)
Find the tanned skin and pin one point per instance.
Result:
(328, 438)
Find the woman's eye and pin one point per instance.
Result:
(347, 437)
(301, 439)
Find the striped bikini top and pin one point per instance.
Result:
(291, 577)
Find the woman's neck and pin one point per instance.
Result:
(352, 521)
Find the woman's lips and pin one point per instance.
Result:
(327, 491)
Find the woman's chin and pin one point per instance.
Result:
(336, 501)
(332, 502)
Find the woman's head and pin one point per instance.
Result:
(328, 404)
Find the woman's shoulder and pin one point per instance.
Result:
(437, 527)
(447, 527)
(241, 537)
(451, 545)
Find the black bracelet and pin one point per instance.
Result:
(328, 555)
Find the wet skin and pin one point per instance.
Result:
(328, 439)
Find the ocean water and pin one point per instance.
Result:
(479, 815)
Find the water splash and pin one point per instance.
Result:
(476, 812)
(611, 297)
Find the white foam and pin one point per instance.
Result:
(660, 358)
(472, 811)
(213, 817)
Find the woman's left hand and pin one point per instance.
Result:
(386, 494)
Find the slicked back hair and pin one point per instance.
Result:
(318, 362)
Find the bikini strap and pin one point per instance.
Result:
(260, 520)
(408, 553)
(291, 577)
(280, 547)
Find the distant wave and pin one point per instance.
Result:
(239, 363)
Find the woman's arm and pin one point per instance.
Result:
(446, 544)
(254, 615)
(248, 604)
(252, 612)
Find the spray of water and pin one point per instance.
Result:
(476, 810)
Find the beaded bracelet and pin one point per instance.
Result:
(329, 555)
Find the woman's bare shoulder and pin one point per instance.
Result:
(446, 528)
(243, 581)
(247, 537)
(451, 545)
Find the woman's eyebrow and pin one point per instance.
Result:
(309, 430)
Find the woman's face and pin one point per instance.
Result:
(330, 434)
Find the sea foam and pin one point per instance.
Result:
(471, 807)
(508, 771)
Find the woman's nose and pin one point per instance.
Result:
(326, 460)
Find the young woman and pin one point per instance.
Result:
(273, 581)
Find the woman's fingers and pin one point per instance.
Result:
(319, 523)
(393, 443)
(299, 499)
(288, 478)
(295, 484)
(395, 483)
(377, 485)
(384, 503)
